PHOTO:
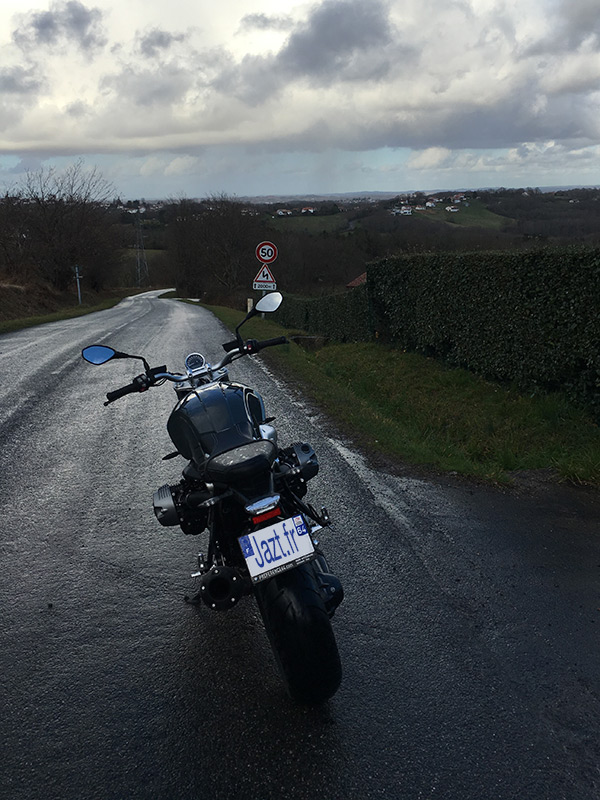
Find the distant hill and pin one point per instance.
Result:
(376, 196)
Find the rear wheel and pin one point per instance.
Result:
(301, 635)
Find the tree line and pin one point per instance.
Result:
(56, 221)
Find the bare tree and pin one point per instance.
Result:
(14, 260)
(213, 244)
(67, 221)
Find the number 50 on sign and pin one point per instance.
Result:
(266, 252)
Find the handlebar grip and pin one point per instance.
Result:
(131, 387)
(272, 342)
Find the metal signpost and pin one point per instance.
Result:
(266, 252)
(78, 279)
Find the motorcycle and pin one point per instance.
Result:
(247, 495)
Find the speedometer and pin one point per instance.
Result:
(194, 362)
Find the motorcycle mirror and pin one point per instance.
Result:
(270, 302)
(98, 354)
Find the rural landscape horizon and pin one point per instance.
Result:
(376, 194)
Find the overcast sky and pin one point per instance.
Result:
(187, 98)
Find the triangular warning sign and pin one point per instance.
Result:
(264, 275)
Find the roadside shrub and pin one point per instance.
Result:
(340, 317)
(528, 318)
(531, 318)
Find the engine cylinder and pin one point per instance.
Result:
(164, 506)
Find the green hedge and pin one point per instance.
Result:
(340, 317)
(532, 318)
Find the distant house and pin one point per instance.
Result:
(430, 204)
(284, 212)
(308, 210)
(357, 281)
(452, 209)
(406, 211)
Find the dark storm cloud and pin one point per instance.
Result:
(580, 20)
(341, 41)
(65, 22)
(334, 39)
(573, 24)
(156, 42)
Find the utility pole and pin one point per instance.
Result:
(78, 279)
(142, 277)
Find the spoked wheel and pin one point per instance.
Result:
(301, 635)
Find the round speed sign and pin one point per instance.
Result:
(266, 252)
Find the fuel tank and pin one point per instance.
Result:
(215, 418)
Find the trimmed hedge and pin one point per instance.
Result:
(340, 317)
(531, 318)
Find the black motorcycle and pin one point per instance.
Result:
(249, 495)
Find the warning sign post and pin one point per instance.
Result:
(264, 280)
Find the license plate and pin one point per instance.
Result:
(277, 548)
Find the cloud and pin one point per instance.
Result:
(340, 41)
(157, 42)
(65, 22)
(182, 165)
(19, 88)
(578, 21)
(266, 22)
(432, 157)
(158, 87)
(451, 81)
(18, 80)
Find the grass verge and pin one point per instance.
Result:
(414, 409)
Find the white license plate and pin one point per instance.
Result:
(277, 548)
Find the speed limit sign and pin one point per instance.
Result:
(266, 252)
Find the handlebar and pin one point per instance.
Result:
(139, 384)
(153, 376)
(269, 343)
(249, 348)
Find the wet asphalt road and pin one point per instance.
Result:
(469, 634)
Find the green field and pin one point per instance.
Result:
(472, 215)
(329, 223)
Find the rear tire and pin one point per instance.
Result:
(301, 635)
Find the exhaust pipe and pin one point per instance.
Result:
(221, 588)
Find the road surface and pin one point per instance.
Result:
(469, 634)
